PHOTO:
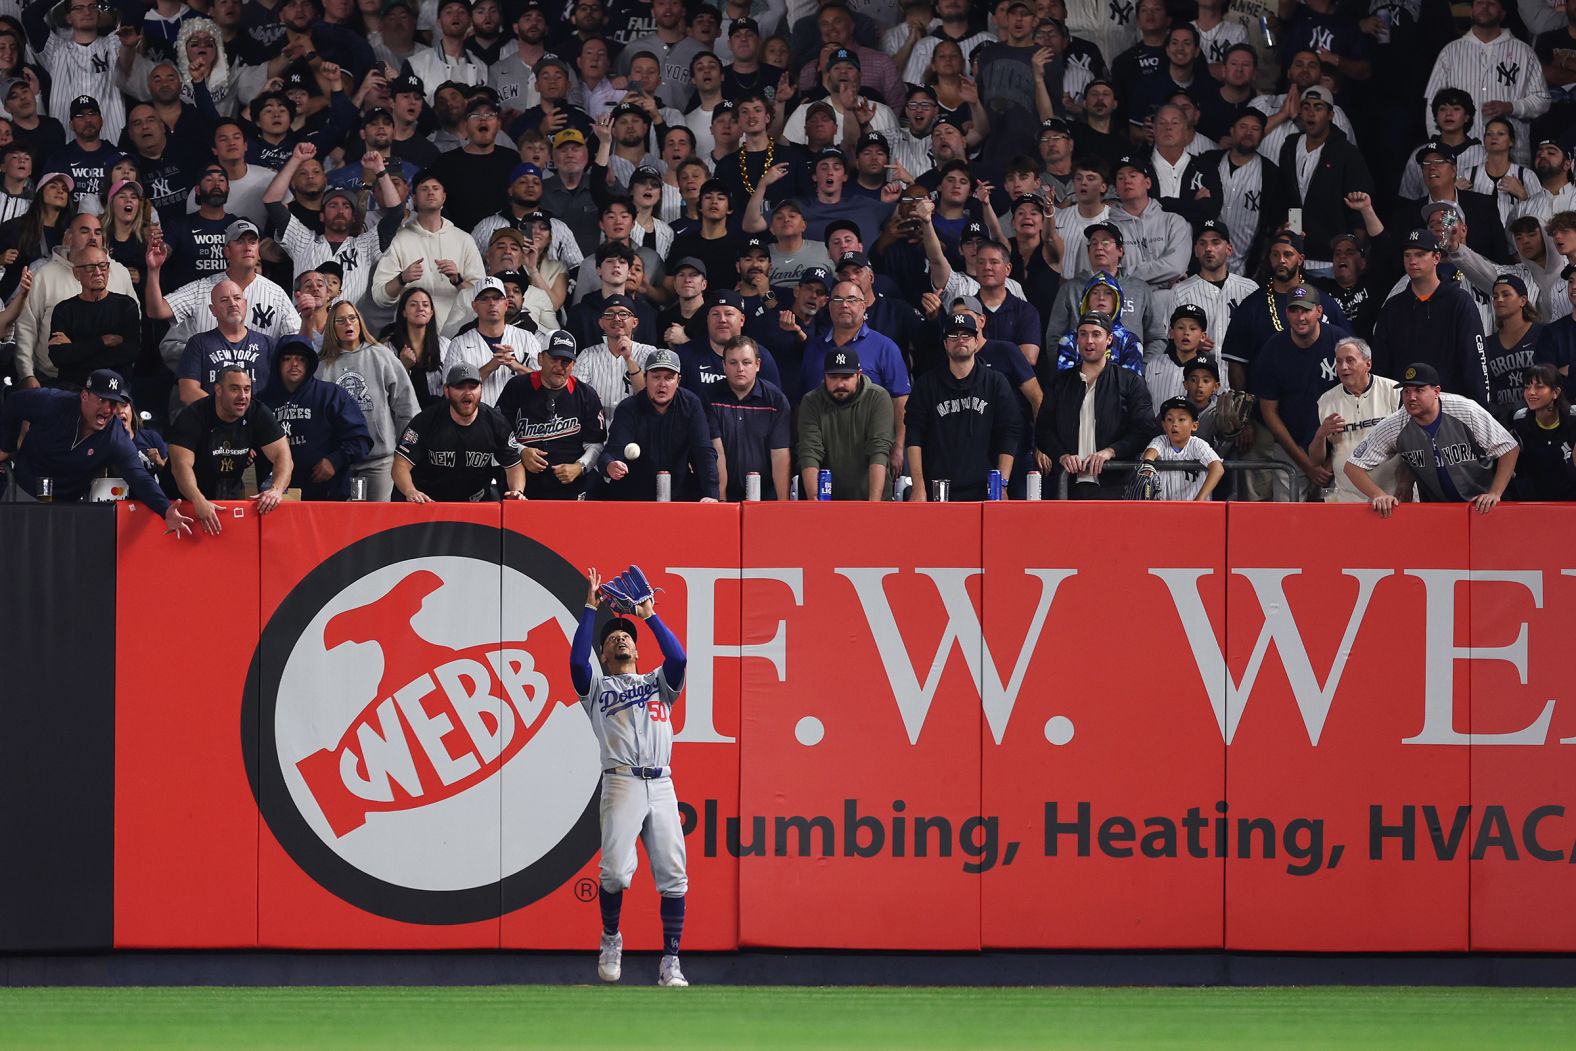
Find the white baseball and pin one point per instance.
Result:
(632, 451)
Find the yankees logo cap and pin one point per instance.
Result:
(239, 229)
(646, 173)
(1419, 374)
(107, 385)
(726, 107)
(486, 285)
(1179, 404)
(1104, 228)
(743, 25)
(1205, 362)
(561, 344)
(842, 362)
(974, 231)
(664, 359)
(1435, 148)
(462, 373)
(1424, 239)
(1190, 312)
(83, 104)
(873, 138)
(1213, 226)
(816, 275)
(960, 323)
(854, 259)
(629, 109)
(842, 54)
(409, 85)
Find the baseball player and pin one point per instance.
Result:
(630, 714)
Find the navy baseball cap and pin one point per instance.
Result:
(842, 54)
(83, 104)
(723, 108)
(1419, 374)
(974, 231)
(743, 25)
(108, 385)
(562, 345)
(956, 323)
(854, 259)
(1213, 226)
(716, 186)
(1424, 239)
(1514, 281)
(1135, 161)
(1191, 312)
(841, 362)
(618, 300)
(629, 109)
(1294, 239)
(755, 244)
(816, 275)
(1205, 362)
(408, 85)
(1107, 228)
(832, 153)
(1437, 148)
(522, 169)
(1180, 404)
(873, 138)
(726, 297)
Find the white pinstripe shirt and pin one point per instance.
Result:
(1504, 69)
(607, 374)
(1241, 201)
(1217, 304)
(1179, 485)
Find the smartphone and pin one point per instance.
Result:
(1294, 220)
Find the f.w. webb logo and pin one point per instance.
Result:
(405, 708)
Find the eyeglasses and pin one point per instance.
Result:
(347, 320)
(618, 315)
(921, 105)
(102, 268)
(847, 300)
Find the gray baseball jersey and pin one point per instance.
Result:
(632, 717)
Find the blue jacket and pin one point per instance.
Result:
(1127, 349)
(322, 421)
(52, 450)
(677, 441)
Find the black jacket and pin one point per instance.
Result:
(1341, 170)
(1197, 175)
(1124, 419)
(960, 426)
(677, 441)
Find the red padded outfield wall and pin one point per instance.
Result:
(934, 727)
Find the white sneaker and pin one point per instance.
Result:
(670, 973)
(610, 962)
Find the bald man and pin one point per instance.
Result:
(230, 343)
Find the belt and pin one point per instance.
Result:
(645, 773)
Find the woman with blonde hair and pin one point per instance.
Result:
(128, 218)
(371, 374)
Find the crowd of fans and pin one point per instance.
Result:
(656, 249)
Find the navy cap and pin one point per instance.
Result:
(1443, 149)
(1192, 312)
(726, 106)
(1031, 198)
(618, 299)
(1289, 238)
(109, 385)
(629, 109)
(974, 231)
(842, 54)
(409, 85)
(755, 244)
(832, 153)
(854, 259)
(83, 104)
(743, 25)
(1180, 404)
(1214, 226)
(844, 361)
(1205, 362)
(562, 345)
(1419, 374)
(645, 173)
(816, 275)
(716, 186)
(522, 169)
(956, 323)
(1054, 124)
(873, 138)
(1514, 281)
(1108, 228)
(725, 297)
(1135, 161)
(1424, 239)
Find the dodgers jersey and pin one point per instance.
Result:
(632, 717)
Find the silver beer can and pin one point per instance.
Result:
(1031, 485)
(664, 487)
(752, 486)
(941, 490)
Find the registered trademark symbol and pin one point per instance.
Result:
(585, 889)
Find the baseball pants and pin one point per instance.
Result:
(634, 808)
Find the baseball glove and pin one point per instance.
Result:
(627, 590)
(1145, 483)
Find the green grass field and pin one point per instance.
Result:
(632, 1018)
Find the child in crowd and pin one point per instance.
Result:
(1179, 441)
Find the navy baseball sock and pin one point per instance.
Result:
(672, 925)
(612, 902)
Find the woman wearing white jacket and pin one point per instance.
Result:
(432, 253)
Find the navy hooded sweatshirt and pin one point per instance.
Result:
(322, 421)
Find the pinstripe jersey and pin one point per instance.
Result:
(84, 69)
(1504, 69)
(269, 310)
(11, 207)
(1180, 485)
(1241, 198)
(1465, 447)
(1217, 304)
(357, 256)
(925, 48)
(607, 374)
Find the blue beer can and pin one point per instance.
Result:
(823, 485)
(994, 491)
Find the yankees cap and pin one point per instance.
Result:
(960, 323)
(854, 259)
(1213, 226)
(1434, 146)
(409, 85)
(832, 153)
(239, 229)
(562, 345)
(724, 108)
(462, 373)
(1423, 239)
(107, 385)
(629, 109)
(1180, 404)
(664, 359)
(842, 54)
(646, 173)
(755, 244)
(518, 278)
(842, 362)
(816, 275)
(1205, 362)
(1191, 312)
(873, 138)
(743, 25)
(485, 285)
(1107, 228)
(618, 301)
(83, 104)
(974, 231)
(1135, 161)
(1030, 198)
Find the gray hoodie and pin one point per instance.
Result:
(374, 377)
(1139, 314)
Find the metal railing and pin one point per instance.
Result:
(1190, 467)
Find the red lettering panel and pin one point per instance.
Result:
(1311, 757)
(1109, 723)
(185, 823)
(1523, 832)
(859, 762)
(380, 795)
(550, 816)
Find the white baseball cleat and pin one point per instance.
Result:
(610, 962)
(670, 975)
